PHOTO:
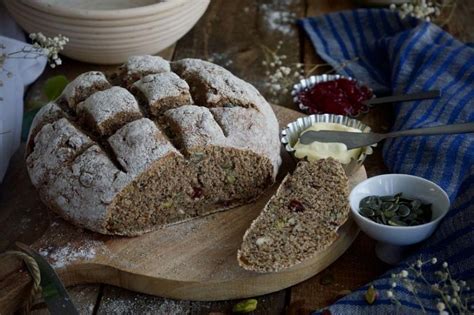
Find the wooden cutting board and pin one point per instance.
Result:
(195, 260)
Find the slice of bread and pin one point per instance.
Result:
(300, 220)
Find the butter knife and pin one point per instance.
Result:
(355, 139)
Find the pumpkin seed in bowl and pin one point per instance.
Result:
(395, 210)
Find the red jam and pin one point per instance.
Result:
(341, 97)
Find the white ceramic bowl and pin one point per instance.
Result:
(110, 36)
(411, 187)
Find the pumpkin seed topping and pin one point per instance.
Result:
(395, 210)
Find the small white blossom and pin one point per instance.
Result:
(419, 263)
(389, 294)
(394, 284)
(456, 287)
(434, 260)
(49, 46)
(440, 306)
(445, 265)
(419, 9)
(404, 273)
(285, 70)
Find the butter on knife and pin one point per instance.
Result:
(320, 150)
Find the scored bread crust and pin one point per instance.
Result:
(300, 220)
(93, 154)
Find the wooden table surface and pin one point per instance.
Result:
(231, 33)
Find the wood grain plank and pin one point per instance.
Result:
(119, 301)
(231, 34)
(353, 269)
(461, 23)
(315, 8)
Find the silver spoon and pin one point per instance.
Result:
(355, 140)
(403, 97)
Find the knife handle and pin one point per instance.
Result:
(439, 130)
(404, 97)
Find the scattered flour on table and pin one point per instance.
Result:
(63, 256)
(278, 20)
(143, 304)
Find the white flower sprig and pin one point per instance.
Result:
(417, 8)
(449, 290)
(427, 10)
(282, 75)
(43, 46)
(50, 46)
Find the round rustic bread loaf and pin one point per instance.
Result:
(153, 144)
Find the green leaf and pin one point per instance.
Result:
(54, 86)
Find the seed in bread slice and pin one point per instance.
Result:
(300, 220)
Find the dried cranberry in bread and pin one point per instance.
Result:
(164, 147)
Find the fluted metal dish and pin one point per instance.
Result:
(307, 83)
(290, 135)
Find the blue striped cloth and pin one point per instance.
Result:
(400, 56)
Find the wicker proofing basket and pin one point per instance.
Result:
(110, 36)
